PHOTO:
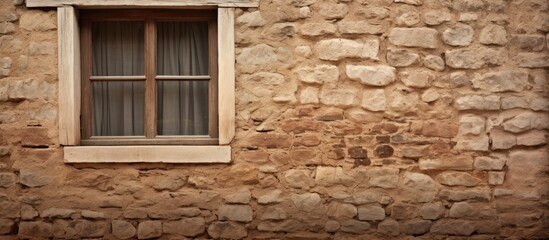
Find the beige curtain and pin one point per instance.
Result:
(182, 106)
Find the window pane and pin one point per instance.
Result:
(118, 49)
(182, 48)
(182, 107)
(118, 108)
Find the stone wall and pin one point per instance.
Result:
(355, 119)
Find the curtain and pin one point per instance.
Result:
(182, 106)
(118, 106)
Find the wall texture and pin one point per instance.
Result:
(355, 119)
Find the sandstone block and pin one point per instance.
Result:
(274, 213)
(403, 101)
(7, 28)
(373, 99)
(539, 104)
(513, 102)
(474, 57)
(457, 179)
(415, 226)
(418, 187)
(436, 17)
(57, 213)
(493, 34)
(414, 37)
(411, 2)
(265, 78)
(280, 31)
(290, 225)
(257, 55)
(372, 212)
(439, 129)
(458, 163)
(188, 227)
(489, 163)
(86, 229)
(92, 214)
(307, 202)
(434, 62)
(332, 226)
(528, 42)
(28, 212)
(432, 211)
(333, 11)
(403, 211)
(359, 27)
(41, 48)
(531, 138)
(242, 196)
(473, 194)
(123, 229)
(149, 229)
(372, 75)
(342, 97)
(270, 197)
(34, 178)
(453, 227)
(507, 80)
(318, 74)
(533, 60)
(381, 177)
(471, 125)
(226, 230)
(417, 78)
(525, 167)
(341, 210)
(389, 227)
(317, 29)
(365, 197)
(502, 140)
(297, 178)
(477, 102)
(251, 19)
(35, 229)
(304, 12)
(38, 21)
(30, 89)
(401, 57)
(7, 226)
(496, 178)
(526, 121)
(480, 143)
(7, 179)
(328, 176)
(303, 51)
(408, 19)
(270, 140)
(460, 35)
(354, 226)
(309, 95)
(338, 48)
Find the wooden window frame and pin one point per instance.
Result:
(69, 98)
(150, 18)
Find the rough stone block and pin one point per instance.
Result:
(533, 60)
(318, 74)
(460, 35)
(188, 227)
(371, 212)
(414, 37)
(474, 57)
(502, 81)
(337, 49)
(149, 229)
(226, 230)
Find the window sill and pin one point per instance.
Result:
(147, 154)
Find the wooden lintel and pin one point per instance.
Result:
(143, 3)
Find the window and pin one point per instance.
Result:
(149, 77)
(70, 89)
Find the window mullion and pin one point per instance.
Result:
(150, 73)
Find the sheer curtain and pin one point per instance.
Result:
(182, 106)
(118, 106)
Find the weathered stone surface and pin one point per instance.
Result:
(477, 102)
(269, 140)
(489, 163)
(513, 102)
(7, 179)
(332, 226)
(526, 121)
(528, 42)
(257, 55)
(149, 229)
(41, 48)
(496, 178)
(92, 214)
(307, 202)
(123, 229)
(241, 196)
(373, 100)
(188, 227)
(434, 62)
(365, 197)
(341, 210)
(525, 167)
(415, 226)
(354, 226)
(338, 48)
(381, 177)
(403, 211)
(30, 89)
(328, 176)
(480, 143)
(507, 80)
(432, 211)
(226, 230)
(418, 187)
(533, 60)
(33, 178)
(35, 229)
(460, 35)
(493, 34)
(471, 125)
(265, 78)
(318, 74)
(457, 163)
(57, 213)
(414, 37)
(411, 2)
(289, 225)
(417, 78)
(436, 17)
(344, 97)
(281, 31)
(478, 194)
(297, 178)
(403, 101)
(251, 19)
(270, 197)
(532, 138)
(309, 95)
(274, 213)
(359, 27)
(371, 212)
(38, 21)
(389, 227)
(371, 75)
(317, 29)
(401, 57)
(453, 227)
(333, 11)
(7, 226)
(474, 57)
(408, 19)
(239, 213)
(457, 179)
(28, 212)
